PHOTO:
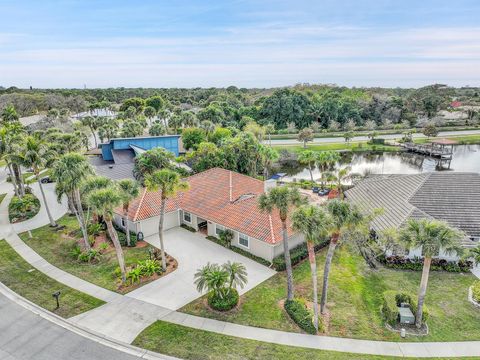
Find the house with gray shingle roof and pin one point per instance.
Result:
(453, 197)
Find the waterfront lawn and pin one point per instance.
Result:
(355, 299)
(462, 140)
(37, 287)
(55, 246)
(340, 146)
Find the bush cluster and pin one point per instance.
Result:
(476, 291)
(144, 268)
(240, 251)
(299, 313)
(122, 236)
(228, 302)
(297, 254)
(189, 228)
(392, 300)
(416, 264)
(86, 256)
(23, 208)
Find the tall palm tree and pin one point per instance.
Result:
(129, 190)
(37, 155)
(342, 175)
(343, 215)
(268, 156)
(326, 160)
(432, 236)
(309, 159)
(69, 172)
(282, 199)
(104, 201)
(91, 184)
(312, 221)
(168, 183)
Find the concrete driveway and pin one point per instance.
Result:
(192, 251)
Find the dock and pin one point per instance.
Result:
(441, 149)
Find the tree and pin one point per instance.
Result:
(281, 200)
(237, 274)
(155, 102)
(92, 123)
(137, 103)
(430, 130)
(268, 157)
(192, 137)
(129, 191)
(150, 113)
(207, 156)
(36, 156)
(309, 159)
(189, 119)
(269, 130)
(342, 174)
(212, 113)
(305, 135)
(157, 129)
(343, 215)
(108, 130)
(312, 221)
(220, 279)
(432, 236)
(326, 160)
(168, 183)
(208, 126)
(255, 129)
(131, 128)
(103, 202)
(151, 161)
(348, 136)
(69, 172)
(219, 134)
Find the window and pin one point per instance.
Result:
(187, 217)
(243, 240)
(218, 229)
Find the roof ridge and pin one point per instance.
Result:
(140, 204)
(427, 176)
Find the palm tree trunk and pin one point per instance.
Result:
(81, 219)
(94, 137)
(311, 174)
(118, 248)
(288, 261)
(326, 272)
(313, 269)
(423, 290)
(50, 218)
(127, 229)
(14, 180)
(160, 233)
(71, 205)
(18, 180)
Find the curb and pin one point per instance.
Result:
(86, 333)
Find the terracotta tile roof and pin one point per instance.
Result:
(225, 197)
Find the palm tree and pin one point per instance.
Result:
(129, 189)
(211, 278)
(11, 135)
(237, 273)
(326, 160)
(309, 159)
(168, 183)
(9, 114)
(432, 236)
(150, 113)
(69, 172)
(312, 221)
(92, 123)
(36, 156)
(268, 156)
(91, 184)
(282, 199)
(343, 215)
(342, 174)
(104, 201)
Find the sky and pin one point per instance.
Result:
(245, 43)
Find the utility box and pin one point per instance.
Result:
(406, 315)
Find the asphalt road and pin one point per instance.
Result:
(27, 336)
(365, 138)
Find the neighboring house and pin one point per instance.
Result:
(452, 197)
(117, 157)
(217, 199)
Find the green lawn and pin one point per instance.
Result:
(355, 299)
(188, 343)
(55, 246)
(37, 287)
(463, 140)
(340, 146)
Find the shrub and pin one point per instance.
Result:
(122, 237)
(392, 300)
(103, 246)
(95, 229)
(299, 313)
(228, 302)
(88, 256)
(134, 275)
(148, 267)
(476, 291)
(189, 228)
(416, 264)
(23, 208)
(226, 237)
(75, 252)
(297, 254)
(241, 251)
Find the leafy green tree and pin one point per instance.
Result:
(255, 129)
(108, 130)
(348, 136)
(206, 156)
(156, 102)
(131, 128)
(208, 126)
(192, 137)
(219, 134)
(309, 158)
(151, 161)
(281, 200)
(305, 135)
(36, 156)
(129, 191)
(211, 113)
(189, 119)
(157, 129)
(432, 236)
(137, 103)
(69, 172)
(313, 222)
(168, 183)
(268, 157)
(430, 130)
(343, 216)
(103, 202)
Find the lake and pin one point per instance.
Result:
(466, 158)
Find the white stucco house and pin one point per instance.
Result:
(217, 199)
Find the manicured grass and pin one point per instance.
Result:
(188, 343)
(37, 287)
(55, 246)
(462, 140)
(355, 298)
(340, 146)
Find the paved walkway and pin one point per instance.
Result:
(192, 251)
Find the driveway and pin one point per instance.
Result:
(192, 251)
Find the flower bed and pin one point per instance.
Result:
(21, 209)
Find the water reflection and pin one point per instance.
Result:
(465, 158)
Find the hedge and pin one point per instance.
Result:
(122, 236)
(223, 304)
(297, 254)
(189, 228)
(299, 313)
(476, 291)
(392, 300)
(240, 251)
(416, 264)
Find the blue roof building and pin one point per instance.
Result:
(137, 144)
